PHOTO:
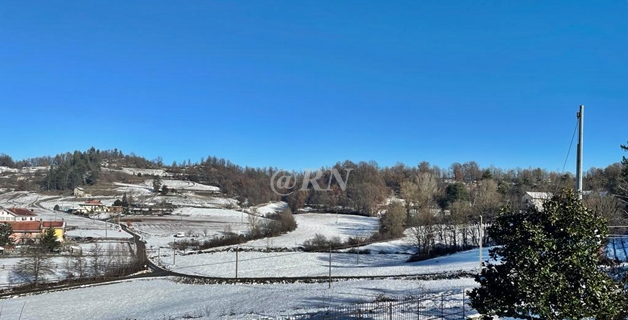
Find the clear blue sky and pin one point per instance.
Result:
(304, 84)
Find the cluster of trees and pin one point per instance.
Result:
(37, 266)
(461, 187)
(70, 170)
(368, 185)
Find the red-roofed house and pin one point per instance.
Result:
(59, 227)
(17, 214)
(25, 232)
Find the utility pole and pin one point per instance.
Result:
(358, 251)
(330, 265)
(481, 238)
(237, 261)
(580, 116)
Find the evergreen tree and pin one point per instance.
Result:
(549, 265)
(156, 183)
(48, 241)
(125, 201)
(5, 234)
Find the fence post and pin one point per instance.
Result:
(390, 311)
(463, 295)
(237, 262)
(442, 305)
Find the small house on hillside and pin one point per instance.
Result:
(79, 192)
(17, 214)
(92, 206)
(535, 199)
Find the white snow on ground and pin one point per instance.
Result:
(151, 172)
(7, 265)
(59, 264)
(203, 222)
(183, 185)
(300, 264)
(71, 202)
(21, 199)
(147, 186)
(4, 169)
(326, 224)
(164, 299)
(133, 189)
(270, 208)
(193, 200)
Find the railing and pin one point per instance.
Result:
(447, 305)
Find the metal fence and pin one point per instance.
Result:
(447, 305)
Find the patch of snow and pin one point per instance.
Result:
(271, 208)
(151, 172)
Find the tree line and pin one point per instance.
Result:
(461, 187)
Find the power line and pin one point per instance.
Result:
(575, 129)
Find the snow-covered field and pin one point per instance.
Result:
(326, 224)
(202, 222)
(144, 172)
(183, 185)
(23, 170)
(21, 199)
(165, 299)
(301, 264)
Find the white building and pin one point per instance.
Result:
(535, 199)
(17, 214)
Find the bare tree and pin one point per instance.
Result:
(419, 195)
(79, 265)
(485, 199)
(392, 222)
(255, 226)
(34, 268)
(96, 260)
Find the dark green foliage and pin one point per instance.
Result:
(156, 183)
(48, 241)
(6, 161)
(454, 192)
(70, 170)
(5, 234)
(550, 265)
